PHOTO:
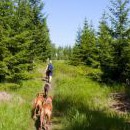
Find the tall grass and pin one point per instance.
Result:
(85, 103)
(15, 114)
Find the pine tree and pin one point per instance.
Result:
(18, 42)
(6, 11)
(76, 57)
(119, 14)
(41, 47)
(88, 45)
(24, 36)
(85, 50)
(105, 48)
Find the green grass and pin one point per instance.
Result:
(15, 114)
(82, 102)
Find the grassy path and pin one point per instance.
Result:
(56, 123)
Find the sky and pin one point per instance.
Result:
(64, 17)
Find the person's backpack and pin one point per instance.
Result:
(50, 67)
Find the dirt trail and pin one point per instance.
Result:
(121, 102)
(56, 121)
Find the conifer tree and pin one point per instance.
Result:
(76, 57)
(42, 45)
(105, 48)
(88, 45)
(85, 50)
(114, 41)
(24, 36)
(6, 11)
(119, 18)
(18, 42)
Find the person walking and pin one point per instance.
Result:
(49, 71)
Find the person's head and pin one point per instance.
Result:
(50, 61)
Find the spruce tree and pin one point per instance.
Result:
(76, 57)
(41, 47)
(119, 18)
(6, 18)
(105, 48)
(85, 50)
(18, 42)
(24, 36)
(88, 45)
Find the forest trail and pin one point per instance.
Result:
(56, 120)
(56, 123)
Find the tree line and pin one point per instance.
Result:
(109, 47)
(24, 37)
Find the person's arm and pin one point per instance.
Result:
(44, 72)
(46, 68)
